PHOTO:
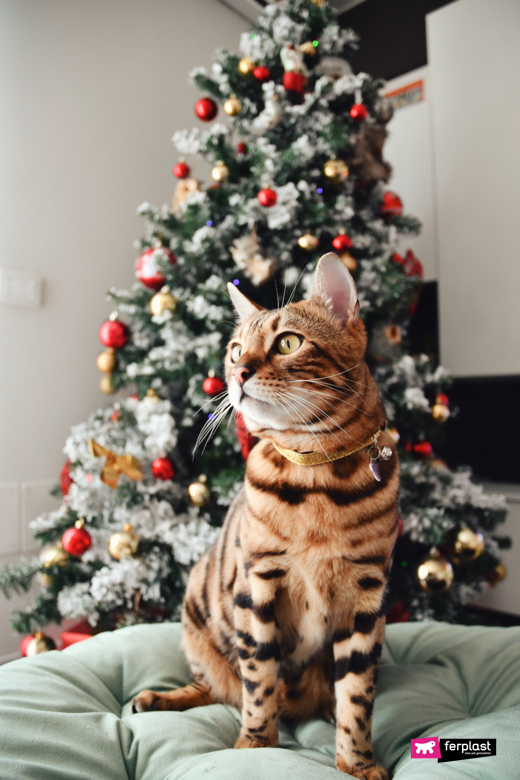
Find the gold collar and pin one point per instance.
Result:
(314, 458)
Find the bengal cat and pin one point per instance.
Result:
(284, 616)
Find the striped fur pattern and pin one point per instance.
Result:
(284, 616)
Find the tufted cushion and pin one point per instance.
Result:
(66, 716)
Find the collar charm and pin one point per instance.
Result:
(376, 455)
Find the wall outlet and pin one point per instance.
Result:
(18, 288)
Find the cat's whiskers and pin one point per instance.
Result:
(213, 399)
(277, 296)
(321, 394)
(332, 384)
(285, 306)
(309, 406)
(314, 379)
(210, 426)
(307, 425)
(345, 391)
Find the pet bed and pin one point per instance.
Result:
(67, 716)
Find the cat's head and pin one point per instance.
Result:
(297, 368)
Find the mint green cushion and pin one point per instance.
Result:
(67, 715)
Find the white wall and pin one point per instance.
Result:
(474, 63)
(504, 596)
(90, 95)
(409, 150)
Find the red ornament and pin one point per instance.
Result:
(163, 468)
(261, 73)
(206, 109)
(76, 540)
(242, 148)
(147, 270)
(294, 82)
(423, 448)
(65, 479)
(181, 170)
(359, 112)
(213, 385)
(442, 398)
(245, 439)
(76, 633)
(115, 415)
(267, 197)
(114, 334)
(411, 264)
(342, 242)
(23, 644)
(391, 205)
(399, 527)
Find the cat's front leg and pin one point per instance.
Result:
(258, 651)
(356, 653)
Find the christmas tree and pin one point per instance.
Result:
(297, 172)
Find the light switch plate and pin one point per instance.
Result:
(19, 288)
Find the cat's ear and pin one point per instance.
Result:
(245, 308)
(334, 286)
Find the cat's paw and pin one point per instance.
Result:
(371, 772)
(256, 741)
(147, 701)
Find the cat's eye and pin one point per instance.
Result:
(236, 353)
(289, 343)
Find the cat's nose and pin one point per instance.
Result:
(241, 373)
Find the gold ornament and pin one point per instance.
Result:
(336, 171)
(184, 188)
(115, 465)
(435, 574)
(232, 106)
(54, 555)
(308, 49)
(105, 385)
(498, 574)
(40, 643)
(246, 66)
(106, 361)
(440, 412)
(198, 491)
(348, 261)
(123, 544)
(469, 545)
(318, 3)
(308, 242)
(150, 393)
(437, 463)
(44, 579)
(163, 301)
(220, 172)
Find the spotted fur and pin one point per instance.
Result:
(284, 616)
